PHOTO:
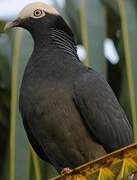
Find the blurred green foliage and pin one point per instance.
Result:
(92, 22)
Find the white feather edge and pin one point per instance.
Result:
(28, 10)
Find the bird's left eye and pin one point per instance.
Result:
(38, 13)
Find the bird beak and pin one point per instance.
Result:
(12, 24)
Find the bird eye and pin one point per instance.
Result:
(37, 13)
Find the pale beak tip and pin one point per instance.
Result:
(12, 24)
(7, 26)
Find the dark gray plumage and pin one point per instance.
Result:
(69, 111)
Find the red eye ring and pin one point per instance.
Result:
(37, 13)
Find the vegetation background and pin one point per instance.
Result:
(93, 22)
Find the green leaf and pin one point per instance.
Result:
(128, 13)
(93, 29)
(18, 142)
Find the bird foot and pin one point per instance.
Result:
(65, 171)
(132, 176)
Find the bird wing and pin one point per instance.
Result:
(34, 143)
(101, 112)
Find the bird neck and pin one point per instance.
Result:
(57, 39)
(63, 41)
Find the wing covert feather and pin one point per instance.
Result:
(101, 112)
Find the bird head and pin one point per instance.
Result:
(32, 13)
(40, 19)
(36, 17)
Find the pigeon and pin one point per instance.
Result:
(69, 111)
